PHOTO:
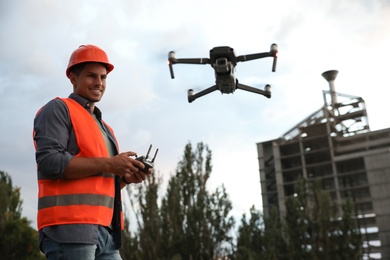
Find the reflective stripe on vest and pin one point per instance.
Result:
(80, 201)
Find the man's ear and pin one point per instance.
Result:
(73, 78)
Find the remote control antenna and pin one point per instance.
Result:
(155, 154)
(147, 154)
(146, 161)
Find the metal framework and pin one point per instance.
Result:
(334, 145)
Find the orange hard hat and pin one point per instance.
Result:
(88, 53)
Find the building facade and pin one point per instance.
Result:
(335, 146)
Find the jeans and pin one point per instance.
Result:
(104, 250)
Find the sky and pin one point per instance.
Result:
(145, 106)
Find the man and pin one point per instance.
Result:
(80, 170)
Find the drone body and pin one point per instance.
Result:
(223, 61)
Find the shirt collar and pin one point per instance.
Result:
(85, 103)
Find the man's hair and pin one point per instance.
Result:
(76, 69)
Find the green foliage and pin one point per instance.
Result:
(11, 206)
(297, 224)
(349, 237)
(250, 240)
(17, 239)
(191, 222)
(196, 222)
(130, 245)
(315, 231)
(275, 246)
(309, 229)
(149, 224)
(261, 239)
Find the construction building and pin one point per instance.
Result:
(334, 145)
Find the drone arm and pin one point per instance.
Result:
(191, 61)
(254, 56)
(192, 96)
(266, 92)
(172, 60)
(272, 53)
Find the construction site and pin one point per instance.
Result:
(335, 146)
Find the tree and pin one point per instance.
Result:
(310, 229)
(17, 239)
(315, 231)
(146, 243)
(220, 223)
(191, 222)
(321, 213)
(130, 244)
(261, 239)
(349, 238)
(250, 240)
(275, 246)
(196, 223)
(297, 223)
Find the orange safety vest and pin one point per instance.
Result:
(80, 201)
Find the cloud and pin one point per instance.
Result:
(144, 105)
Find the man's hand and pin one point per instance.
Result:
(122, 165)
(138, 176)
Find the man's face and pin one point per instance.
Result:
(91, 83)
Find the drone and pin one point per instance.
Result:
(223, 60)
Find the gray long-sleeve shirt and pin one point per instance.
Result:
(56, 145)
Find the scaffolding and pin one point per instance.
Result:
(335, 146)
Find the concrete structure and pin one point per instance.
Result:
(335, 145)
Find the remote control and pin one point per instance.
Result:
(149, 163)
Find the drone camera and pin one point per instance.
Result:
(222, 65)
(221, 61)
